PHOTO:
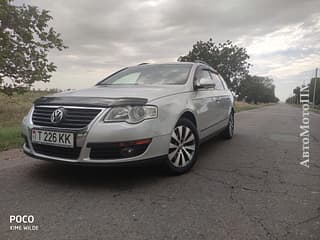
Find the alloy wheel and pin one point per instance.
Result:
(182, 146)
(231, 125)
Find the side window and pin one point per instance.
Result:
(223, 82)
(216, 81)
(201, 73)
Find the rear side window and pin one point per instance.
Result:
(202, 74)
(223, 82)
(217, 81)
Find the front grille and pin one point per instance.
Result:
(73, 117)
(54, 151)
(101, 151)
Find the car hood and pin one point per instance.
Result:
(146, 92)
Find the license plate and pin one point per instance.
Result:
(62, 139)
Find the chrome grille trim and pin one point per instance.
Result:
(76, 117)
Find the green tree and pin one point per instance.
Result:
(25, 40)
(257, 89)
(311, 89)
(291, 100)
(296, 93)
(227, 58)
(295, 99)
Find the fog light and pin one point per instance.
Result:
(134, 148)
(119, 150)
(127, 152)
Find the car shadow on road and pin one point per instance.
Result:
(212, 145)
(120, 178)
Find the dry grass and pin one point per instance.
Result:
(243, 106)
(12, 110)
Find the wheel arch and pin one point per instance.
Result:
(232, 110)
(190, 116)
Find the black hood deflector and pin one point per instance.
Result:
(89, 101)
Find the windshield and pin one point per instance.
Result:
(150, 75)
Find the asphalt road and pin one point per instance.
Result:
(251, 187)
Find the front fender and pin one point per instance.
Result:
(171, 108)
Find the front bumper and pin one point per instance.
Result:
(98, 132)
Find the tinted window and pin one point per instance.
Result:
(203, 74)
(223, 82)
(217, 81)
(150, 74)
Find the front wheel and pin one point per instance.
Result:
(183, 148)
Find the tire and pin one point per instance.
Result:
(183, 148)
(229, 130)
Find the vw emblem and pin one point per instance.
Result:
(57, 115)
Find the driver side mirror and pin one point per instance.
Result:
(205, 83)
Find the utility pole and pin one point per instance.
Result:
(314, 88)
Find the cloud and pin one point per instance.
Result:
(288, 55)
(282, 37)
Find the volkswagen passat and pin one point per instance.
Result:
(144, 112)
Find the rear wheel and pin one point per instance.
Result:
(183, 149)
(228, 132)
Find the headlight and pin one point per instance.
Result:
(131, 114)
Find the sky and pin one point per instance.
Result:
(282, 37)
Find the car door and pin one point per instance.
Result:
(205, 104)
(221, 97)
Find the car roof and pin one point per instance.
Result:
(179, 63)
(175, 63)
(165, 63)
